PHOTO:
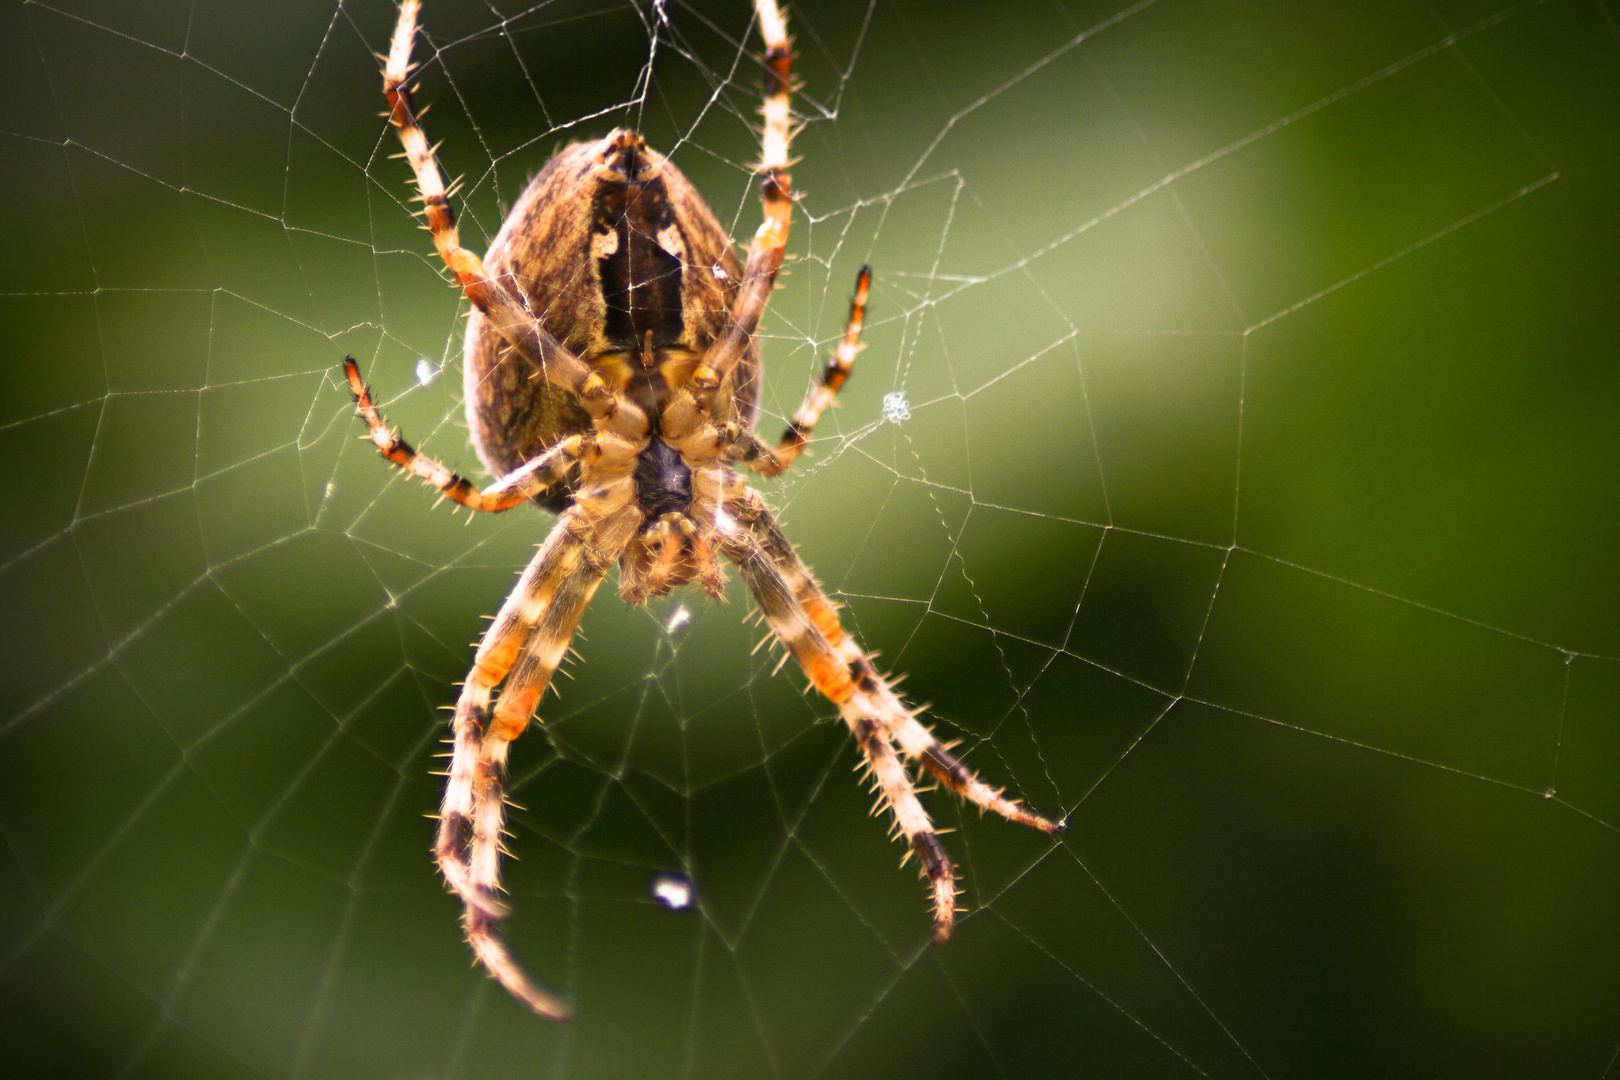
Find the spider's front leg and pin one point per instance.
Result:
(793, 627)
(901, 723)
(528, 638)
(805, 621)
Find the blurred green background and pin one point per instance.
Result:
(1257, 509)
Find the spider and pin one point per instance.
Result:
(612, 376)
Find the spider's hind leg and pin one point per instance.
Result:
(507, 310)
(766, 250)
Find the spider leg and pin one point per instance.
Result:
(497, 651)
(581, 570)
(502, 304)
(539, 617)
(900, 722)
(519, 486)
(776, 194)
(825, 391)
(549, 469)
(815, 654)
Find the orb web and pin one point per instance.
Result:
(1230, 468)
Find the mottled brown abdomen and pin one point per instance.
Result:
(623, 262)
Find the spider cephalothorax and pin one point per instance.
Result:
(613, 377)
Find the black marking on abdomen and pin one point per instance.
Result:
(641, 281)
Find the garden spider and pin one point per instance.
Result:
(612, 376)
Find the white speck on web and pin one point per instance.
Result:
(677, 619)
(896, 409)
(674, 891)
(426, 371)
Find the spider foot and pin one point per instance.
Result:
(957, 777)
(499, 962)
(941, 877)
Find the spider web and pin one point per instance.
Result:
(1231, 465)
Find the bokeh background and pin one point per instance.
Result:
(1256, 509)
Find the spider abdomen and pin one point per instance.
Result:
(622, 262)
